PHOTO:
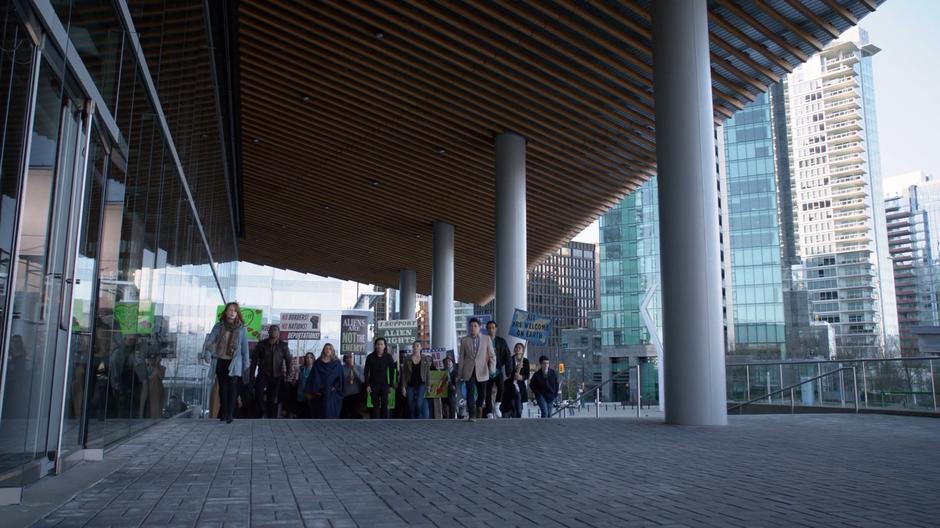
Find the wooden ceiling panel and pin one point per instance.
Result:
(362, 123)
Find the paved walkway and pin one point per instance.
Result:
(829, 470)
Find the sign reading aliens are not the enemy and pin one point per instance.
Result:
(535, 329)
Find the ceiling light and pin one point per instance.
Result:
(379, 35)
(375, 183)
(256, 141)
(441, 150)
(305, 98)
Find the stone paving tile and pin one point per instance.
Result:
(760, 471)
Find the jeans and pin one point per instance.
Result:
(417, 404)
(266, 394)
(476, 390)
(516, 401)
(228, 389)
(545, 405)
(379, 403)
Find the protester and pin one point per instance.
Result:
(271, 358)
(500, 375)
(327, 382)
(544, 385)
(352, 389)
(414, 381)
(379, 374)
(303, 376)
(399, 402)
(226, 349)
(515, 391)
(476, 361)
(175, 407)
(449, 404)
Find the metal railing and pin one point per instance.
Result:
(802, 383)
(891, 384)
(596, 390)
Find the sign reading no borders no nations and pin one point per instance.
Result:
(297, 326)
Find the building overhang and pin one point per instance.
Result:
(362, 123)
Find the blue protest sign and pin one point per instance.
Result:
(534, 328)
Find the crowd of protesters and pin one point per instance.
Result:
(487, 380)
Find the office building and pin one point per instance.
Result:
(912, 208)
(837, 196)
(771, 309)
(563, 288)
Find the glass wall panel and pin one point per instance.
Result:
(16, 56)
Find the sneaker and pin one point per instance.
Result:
(489, 416)
(497, 413)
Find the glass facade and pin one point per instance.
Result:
(629, 267)
(753, 215)
(116, 227)
(913, 212)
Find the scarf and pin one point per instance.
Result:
(225, 346)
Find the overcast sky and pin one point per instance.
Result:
(907, 88)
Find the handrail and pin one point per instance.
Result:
(790, 388)
(815, 361)
(596, 389)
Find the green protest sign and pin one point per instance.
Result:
(134, 317)
(437, 385)
(253, 317)
(400, 332)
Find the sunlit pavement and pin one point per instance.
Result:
(804, 470)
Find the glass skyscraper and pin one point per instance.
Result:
(913, 214)
(754, 216)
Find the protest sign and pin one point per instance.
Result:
(533, 328)
(354, 334)
(437, 356)
(298, 326)
(252, 317)
(437, 385)
(402, 332)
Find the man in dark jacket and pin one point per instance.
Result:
(544, 384)
(502, 367)
(379, 375)
(271, 359)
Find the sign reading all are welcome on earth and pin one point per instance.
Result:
(533, 328)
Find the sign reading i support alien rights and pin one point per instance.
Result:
(402, 332)
(533, 328)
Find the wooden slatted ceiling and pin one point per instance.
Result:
(364, 122)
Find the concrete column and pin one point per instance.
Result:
(511, 277)
(442, 287)
(407, 293)
(688, 215)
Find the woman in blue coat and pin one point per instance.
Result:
(226, 350)
(328, 381)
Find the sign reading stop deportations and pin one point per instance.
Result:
(533, 328)
(296, 326)
(402, 332)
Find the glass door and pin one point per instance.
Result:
(41, 313)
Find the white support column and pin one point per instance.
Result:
(407, 294)
(442, 287)
(511, 277)
(688, 215)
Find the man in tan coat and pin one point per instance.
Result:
(476, 361)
